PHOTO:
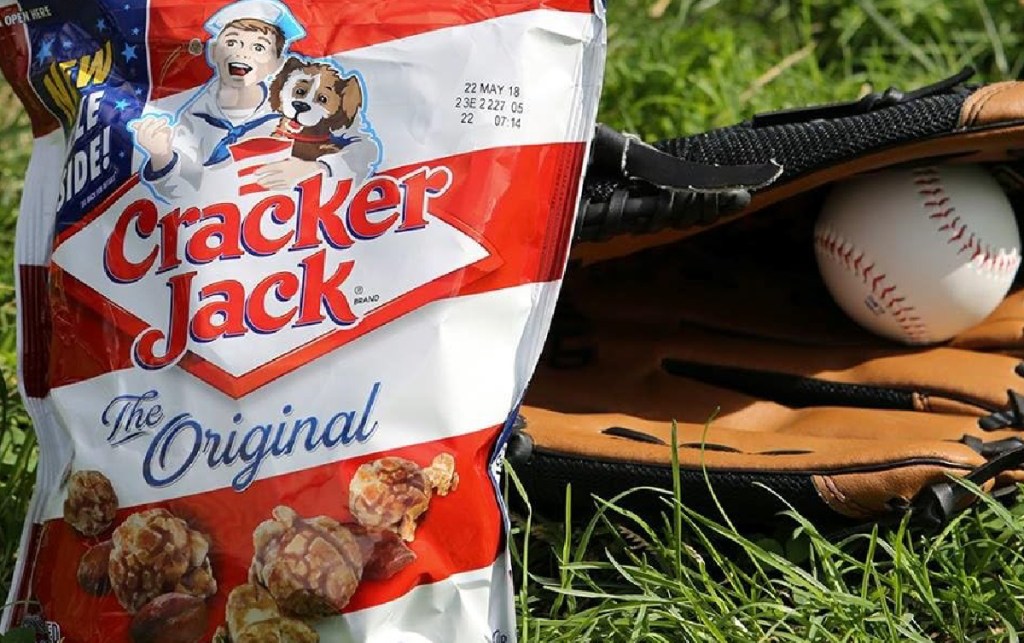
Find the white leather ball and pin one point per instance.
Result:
(918, 255)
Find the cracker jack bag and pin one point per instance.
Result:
(284, 271)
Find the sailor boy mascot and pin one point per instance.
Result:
(249, 40)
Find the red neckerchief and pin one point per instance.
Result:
(301, 138)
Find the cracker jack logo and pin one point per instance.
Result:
(314, 223)
(258, 234)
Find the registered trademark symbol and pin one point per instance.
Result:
(359, 290)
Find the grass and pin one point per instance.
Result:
(679, 67)
(688, 578)
(17, 442)
(705, 64)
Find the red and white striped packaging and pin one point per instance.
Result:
(284, 272)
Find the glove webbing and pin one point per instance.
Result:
(632, 187)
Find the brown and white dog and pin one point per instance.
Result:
(314, 101)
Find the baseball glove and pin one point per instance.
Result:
(692, 297)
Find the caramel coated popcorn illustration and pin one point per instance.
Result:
(254, 617)
(91, 503)
(392, 492)
(442, 475)
(248, 604)
(311, 567)
(278, 630)
(154, 553)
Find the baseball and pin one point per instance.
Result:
(918, 255)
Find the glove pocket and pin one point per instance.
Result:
(743, 308)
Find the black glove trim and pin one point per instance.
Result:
(628, 156)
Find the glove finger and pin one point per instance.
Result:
(813, 442)
(823, 477)
(634, 382)
(943, 380)
(1003, 330)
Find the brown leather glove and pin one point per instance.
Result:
(780, 399)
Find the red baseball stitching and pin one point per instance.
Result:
(829, 242)
(936, 203)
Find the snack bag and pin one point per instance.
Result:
(284, 271)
